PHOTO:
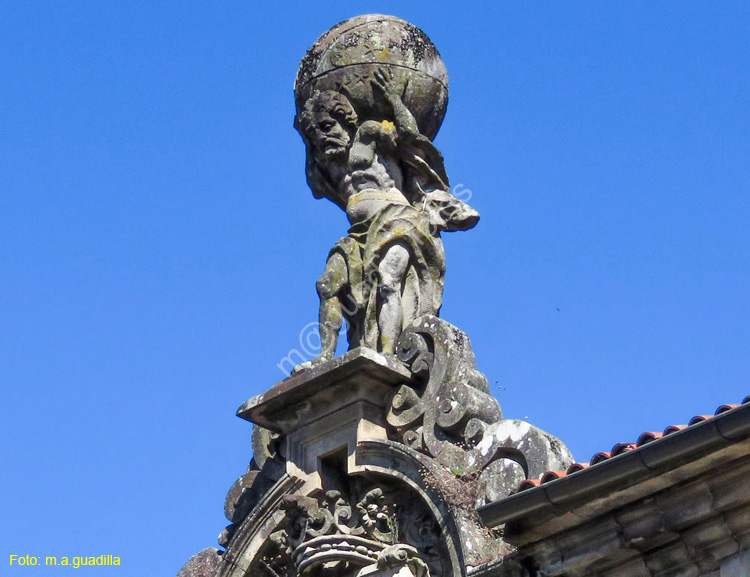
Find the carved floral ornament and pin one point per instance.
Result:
(383, 530)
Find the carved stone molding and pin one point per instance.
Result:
(373, 525)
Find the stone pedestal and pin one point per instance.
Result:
(372, 465)
(325, 412)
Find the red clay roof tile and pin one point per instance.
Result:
(528, 484)
(575, 467)
(599, 457)
(648, 437)
(621, 448)
(724, 409)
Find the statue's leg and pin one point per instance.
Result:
(392, 270)
(334, 279)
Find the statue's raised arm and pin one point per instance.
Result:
(406, 125)
(426, 182)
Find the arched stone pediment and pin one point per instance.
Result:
(387, 515)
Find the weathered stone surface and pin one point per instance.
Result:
(518, 444)
(499, 479)
(332, 428)
(736, 566)
(448, 413)
(344, 57)
(374, 526)
(372, 464)
(344, 530)
(267, 466)
(308, 396)
(371, 94)
(322, 414)
(445, 411)
(202, 564)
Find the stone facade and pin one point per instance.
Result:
(376, 464)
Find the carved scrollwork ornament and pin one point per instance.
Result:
(330, 536)
(447, 408)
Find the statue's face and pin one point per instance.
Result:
(331, 138)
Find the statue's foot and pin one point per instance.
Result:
(302, 367)
(311, 364)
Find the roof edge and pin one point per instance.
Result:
(650, 459)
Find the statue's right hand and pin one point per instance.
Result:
(381, 79)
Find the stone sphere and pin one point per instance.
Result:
(344, 59)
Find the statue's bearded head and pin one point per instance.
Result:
(329, 122)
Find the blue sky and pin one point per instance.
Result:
(159, 246)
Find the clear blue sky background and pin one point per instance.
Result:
(159, 246)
